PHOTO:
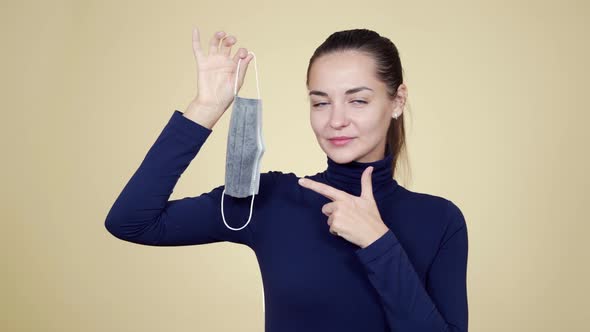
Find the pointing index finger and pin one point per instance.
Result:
(323, 189)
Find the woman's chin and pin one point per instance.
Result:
(341, 156)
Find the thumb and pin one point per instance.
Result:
(367, 183)
(197, 52)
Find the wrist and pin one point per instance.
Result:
(204, 114)
(377, 236)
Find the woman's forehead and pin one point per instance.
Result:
(337, 73)
(349, 91)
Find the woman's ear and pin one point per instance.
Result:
(399, 101)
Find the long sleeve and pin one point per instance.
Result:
(409, 306)
(143, 213)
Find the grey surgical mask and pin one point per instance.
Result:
(245, 147)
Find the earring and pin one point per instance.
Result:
(395, 115)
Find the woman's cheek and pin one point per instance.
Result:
(318, 122)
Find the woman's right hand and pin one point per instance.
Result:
(217, 71)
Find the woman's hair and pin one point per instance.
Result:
(389, 71)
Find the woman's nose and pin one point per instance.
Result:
(338, 117)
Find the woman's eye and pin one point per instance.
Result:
(354, 101)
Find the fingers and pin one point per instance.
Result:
(214, 43)
(226, 45)
(324, 189)
(328, 208)
(227, 41)
(331, 228)
(243, 65)
(242, 53)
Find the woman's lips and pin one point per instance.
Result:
(340, 141)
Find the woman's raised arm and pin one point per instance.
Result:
(143, 213)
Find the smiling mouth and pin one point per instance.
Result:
(339, 141)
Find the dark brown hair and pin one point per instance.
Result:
(389, 71)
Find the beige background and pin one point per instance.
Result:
(498, 124)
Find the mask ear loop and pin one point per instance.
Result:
(223, 193)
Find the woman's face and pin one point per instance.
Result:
(347, 100)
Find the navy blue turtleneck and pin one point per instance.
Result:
(413, 278)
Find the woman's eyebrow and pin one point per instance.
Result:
(348, 92)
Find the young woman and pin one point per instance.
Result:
(346, 249)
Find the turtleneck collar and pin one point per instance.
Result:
(347, 176)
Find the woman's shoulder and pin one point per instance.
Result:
(443, 207)
(283, 182)
(279, 178)
(278, 186)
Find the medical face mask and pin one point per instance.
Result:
(245, 147)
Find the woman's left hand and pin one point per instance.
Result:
(355, 218)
